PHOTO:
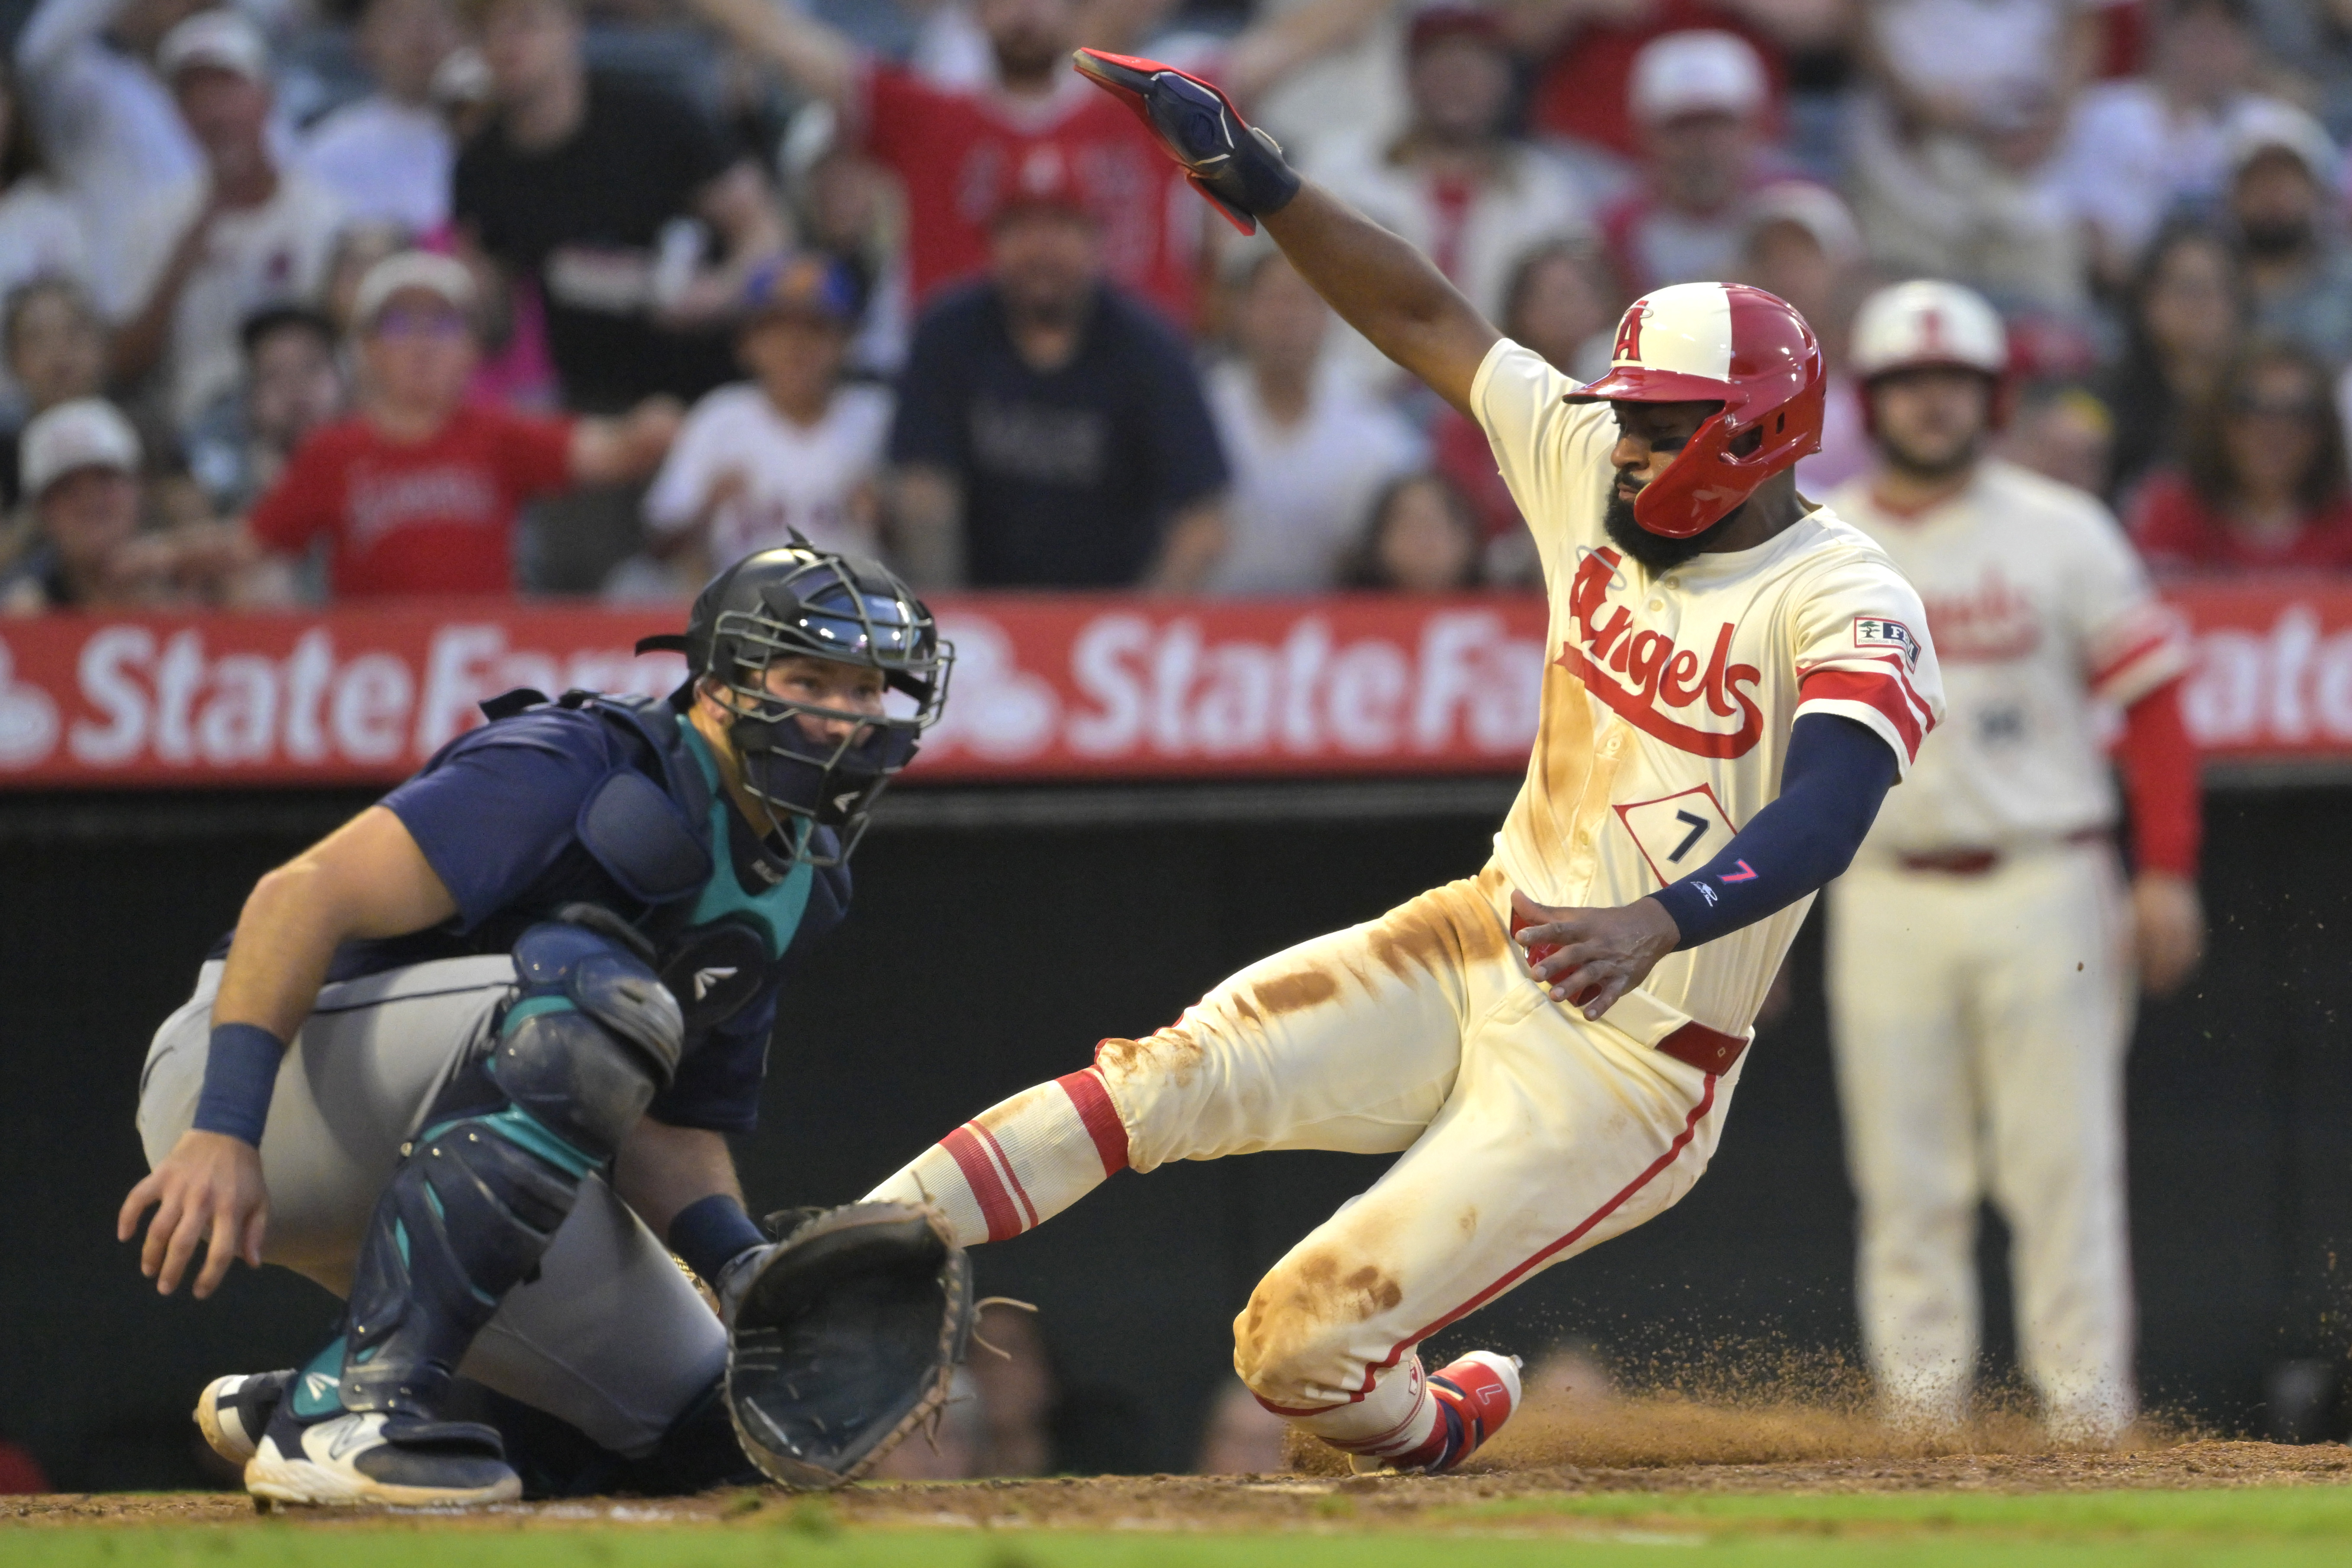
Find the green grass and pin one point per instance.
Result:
(2253, 1528)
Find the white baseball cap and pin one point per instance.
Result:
(1927, 323)
(443, 277)
(225, 40)
(2266, 125)
(87, 432)
(1703, 71)
(1814, 209)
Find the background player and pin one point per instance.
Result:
(1981, 955)
(1719, 644)
(528, 996)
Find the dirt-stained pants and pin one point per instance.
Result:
(1980, 1024)
(1527, 1135)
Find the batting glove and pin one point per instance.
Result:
(1234, 163)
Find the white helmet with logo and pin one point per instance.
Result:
(1912, 326)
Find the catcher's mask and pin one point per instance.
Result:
(801, 601)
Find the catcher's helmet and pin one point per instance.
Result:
(1930, 324)
(1716, 342)
(801, 601)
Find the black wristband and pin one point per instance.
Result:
(712, 1232)
(240, 1075)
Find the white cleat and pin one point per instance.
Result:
(367, 1459)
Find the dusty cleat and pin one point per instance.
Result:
(233, 1411)
(347, 1458)
(1474, 1396)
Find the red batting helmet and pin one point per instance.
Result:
(1716, 342)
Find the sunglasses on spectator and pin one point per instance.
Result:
(2275, 408)
(405, 322)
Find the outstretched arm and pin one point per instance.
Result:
(1385, 289)
(1379, 285)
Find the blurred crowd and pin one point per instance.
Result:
(326, 300)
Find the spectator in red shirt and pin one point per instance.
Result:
(1589, 46)
(949, 146)
(2262, 480)
(1699, 99)
(419, 493)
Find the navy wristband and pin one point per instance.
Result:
(711, 1233)
(240, 1074)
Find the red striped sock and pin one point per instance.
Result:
(1020, 1163)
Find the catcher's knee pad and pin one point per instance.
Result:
(481, 1192)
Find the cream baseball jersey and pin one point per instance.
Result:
(1667, 700)
(2039, 609)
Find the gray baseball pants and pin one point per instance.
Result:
(610, 1337)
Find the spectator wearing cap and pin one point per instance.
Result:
(200, 257)
(2291, 240)
(1456, 184)
(293, 384)
(2139, 147)
(790, 453)
(1699, 99)
(1587, 49)
(81, 464)
(2262, 484)
(105, 117)
(417, 493)
(1310, 449)
(607, 195)
(1798, 241)
(389, 154)
(1051, 430)
(1952, 166)
(948, 145)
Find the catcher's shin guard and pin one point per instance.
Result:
(481, 1192)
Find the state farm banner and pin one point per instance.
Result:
(1045, 687)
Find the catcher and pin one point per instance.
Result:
(464, 1060)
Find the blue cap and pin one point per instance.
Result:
(805, 283)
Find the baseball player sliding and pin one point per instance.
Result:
(1981, 956)
(465, 1059)
(1550, 1045)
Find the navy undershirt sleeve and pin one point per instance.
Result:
(1837, 774)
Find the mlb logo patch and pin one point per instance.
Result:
(1871, 631)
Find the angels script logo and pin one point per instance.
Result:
(1642, 674)
(28, 719)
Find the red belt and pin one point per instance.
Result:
(1693, 1045)
(1976, 862)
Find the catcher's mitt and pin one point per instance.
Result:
(845, 1339)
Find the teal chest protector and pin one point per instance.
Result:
(723, 906)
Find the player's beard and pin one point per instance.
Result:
(1656, 552)
(1932, 467)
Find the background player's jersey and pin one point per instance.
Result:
(1667, 700)
(2038, 608)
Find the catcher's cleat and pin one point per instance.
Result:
(233, 1411)
(314, 1451)
(1237, 166)
(366, 1457)
(1474, 1396)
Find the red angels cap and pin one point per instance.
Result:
(1716, 342)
